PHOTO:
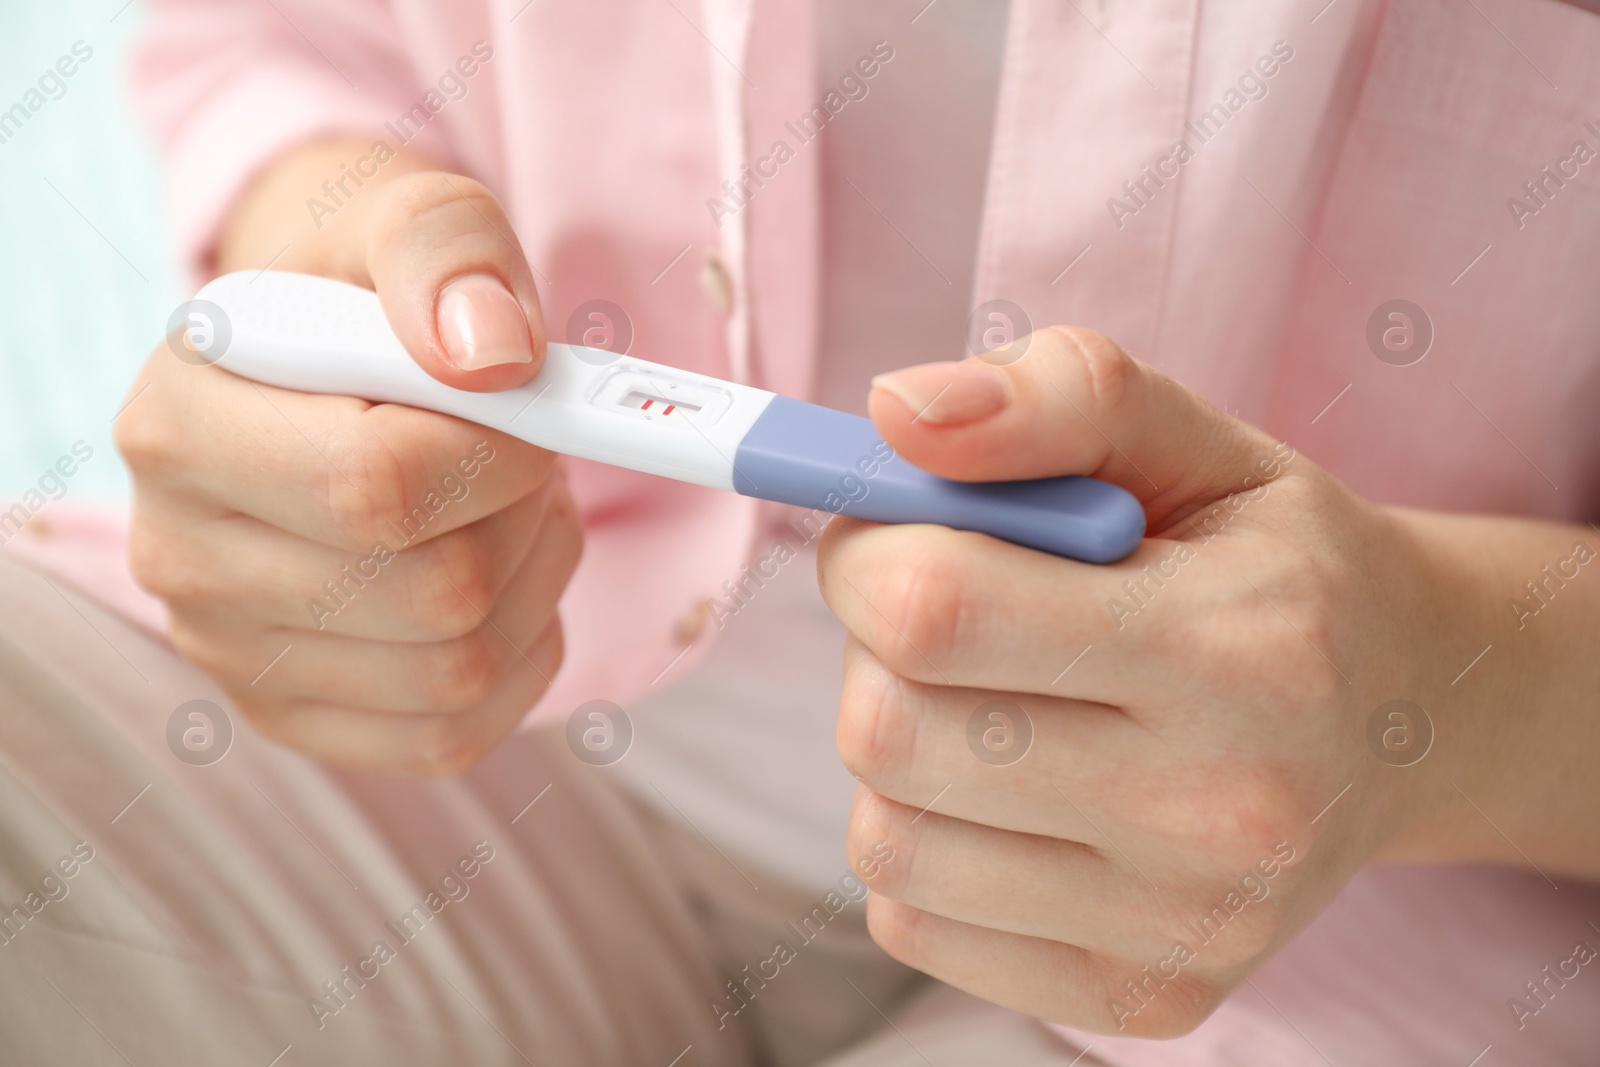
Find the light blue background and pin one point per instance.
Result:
(76, 318)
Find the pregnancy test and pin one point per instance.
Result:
(316, 335)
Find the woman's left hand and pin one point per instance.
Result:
(1111, 792)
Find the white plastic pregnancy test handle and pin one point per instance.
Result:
(316, 335)
(320, 336)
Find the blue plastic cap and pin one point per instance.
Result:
(816, 457)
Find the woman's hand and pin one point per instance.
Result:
(373, 584)
(1112, 792)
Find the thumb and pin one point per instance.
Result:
(454, 283)
(1069, 401)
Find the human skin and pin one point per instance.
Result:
(1203, 737)
(247, 499)
(1224, 719)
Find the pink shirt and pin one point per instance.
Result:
(1338, 158)
(1370, 156)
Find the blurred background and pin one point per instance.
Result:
(86, 280)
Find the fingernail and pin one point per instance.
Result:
(949, 394)
(481, 323)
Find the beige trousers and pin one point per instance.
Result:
(160, 905)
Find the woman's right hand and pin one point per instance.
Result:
(374, 585)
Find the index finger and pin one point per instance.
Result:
(948, 607)
(339, 471)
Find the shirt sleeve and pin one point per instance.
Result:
(226, 86)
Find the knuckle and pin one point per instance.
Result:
(1232, 818)
(145, 441)
(460, 673)
(1205, 996)
(1235, 921)
(412, 201)
(1107, 370)
(424, 192)
(920, 610)
(1313, 682)
(197, 644)
(1284, 631)
(1244, 820)
(896, 928)
(148, 559)
(1309, 586)
(453, 580)
(1173, 1009)
(879, 843)
(161, 567)
(550, 650)
(1242, 643)
(874, 739)
(368, 491)
(1299, 656)
(1250, 935)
